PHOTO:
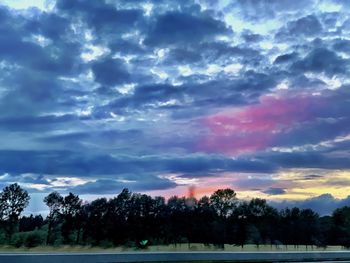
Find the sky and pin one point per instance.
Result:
(158, 96)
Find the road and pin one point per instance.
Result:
(343, 256)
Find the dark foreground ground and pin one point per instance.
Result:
(175, 257)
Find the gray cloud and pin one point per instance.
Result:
(78, 164)
(322, 60)
(181, 28)
(274, 191)
(110, 72)
(324, 204)
(105, 186)
(267, 9)
(307, 26)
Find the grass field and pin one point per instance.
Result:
(164, 248)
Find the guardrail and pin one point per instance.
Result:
(174, 257)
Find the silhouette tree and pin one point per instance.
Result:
(341, 226)
(290, 231)
(138, 219)
(309, 227)
(239, 220)
(55, 202)
(223, 201)
(71, 208)
(95, 213)
(159, 223)
(326, 235)
(116, 217)
(204, 217)
(13, 200)
(264, 219)
(30, 223)
(177, 219)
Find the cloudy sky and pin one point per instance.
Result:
(159, 95)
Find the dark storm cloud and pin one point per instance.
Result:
(25, 179)
(149, 94)
(342, 146)
(223, 52)
(327, 119)
(255, 81)
(32, 69)
(107, 19)
(107, 22)
(18, 162)
(346, 25)
(301, 81)
(106, 186)
(183, 56)
(127, 47)
(32, 94)
(102, 16)
(324, 204)
(239, 91)
(144, 182)
(285, 58)
(306, 26)
(314, 132)
(15, 47)
(312, 176)
(342, 45)
(252, 182)
(34, 123)
(50, 25)
(110, 135)
(110, 72)
(80, 164)
(180, 28)
(329, 20)
(274, 191)
(249, 36)
(198, 164)
(109, 140)
(322, 60)
(306, 159)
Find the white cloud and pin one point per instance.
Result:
(94, 52)
(24, 4)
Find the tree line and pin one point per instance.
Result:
(134, 219)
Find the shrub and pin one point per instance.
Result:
(17, 240)
(34, 238)
(28, 239)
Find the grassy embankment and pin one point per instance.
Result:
(169, 248)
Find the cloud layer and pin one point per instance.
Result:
(156, 95)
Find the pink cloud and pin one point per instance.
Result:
(254, 127)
